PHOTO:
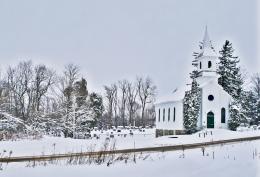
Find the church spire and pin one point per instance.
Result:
(206, 40)
(207, 48)
(207, 61)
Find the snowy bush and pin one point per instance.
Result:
(11, 124)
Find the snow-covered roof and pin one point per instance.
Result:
(177, 95)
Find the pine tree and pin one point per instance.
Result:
(77, 115)
(84, 115)
(230, 75)
(191, 106)
(258, 112)
(231, 80)
(194, 74)
(192, 98)
(235, 116)
(81, 92)
(187, 107)
(249, 107)
(96, 104)
(256, 92)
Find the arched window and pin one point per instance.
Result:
(223, 115)
(163, 114)
(210, 120)
(174, 114)
(159, 115)
(169, 114)
(209, 64)
(200, 65)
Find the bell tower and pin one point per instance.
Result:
(207, 61)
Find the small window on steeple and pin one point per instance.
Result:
(200, 65)
(209, 64)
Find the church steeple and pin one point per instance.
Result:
(207, 60)
(206, 40)
(207, 48)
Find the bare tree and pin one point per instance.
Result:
(110, 92)
(131, 100)
(25, 88)
(115, 103)
(146, 92)
(71, 74)
(44, 78)
(123, 87)
(19, 83)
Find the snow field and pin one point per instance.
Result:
(56, 145)
(228, 160)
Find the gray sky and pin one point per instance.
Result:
(116, 39)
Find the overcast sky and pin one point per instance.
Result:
(116, 39)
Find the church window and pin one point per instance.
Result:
(200, 65)
(163, 114)
(209, 64)
(174, 112)
(223, 115)
(210, 97)
(159, 115)
(169, 114)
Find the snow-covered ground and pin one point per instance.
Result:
(51, 145)
(239, 159)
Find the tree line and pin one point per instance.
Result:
(130, 103)
(60, 102)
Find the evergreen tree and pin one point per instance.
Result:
(84, 115)
(256, 92)
(235, 116)
(231, 80)
(96, 104)
(81, 92)
(192, 98)
(258, 112)
(256, 85)
(249, 107)
(230, 75)
(194, 74)
(191, 106)
(78, 115)
(67, 110)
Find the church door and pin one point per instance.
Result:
(210, 120)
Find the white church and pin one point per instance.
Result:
(214, 104)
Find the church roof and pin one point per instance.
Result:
(207, 47)
(177, 95)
